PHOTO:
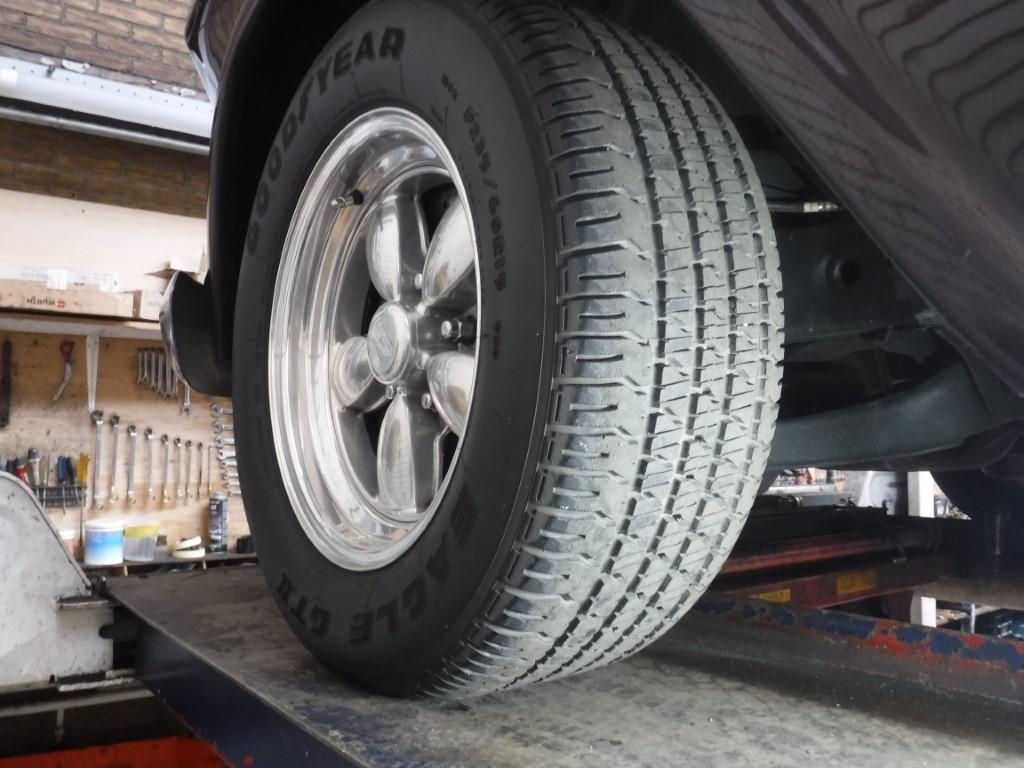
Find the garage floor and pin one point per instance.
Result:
(224, 659)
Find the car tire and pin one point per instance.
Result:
(629, 347)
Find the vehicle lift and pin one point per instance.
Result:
(758, 667)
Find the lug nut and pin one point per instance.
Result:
(458, 330)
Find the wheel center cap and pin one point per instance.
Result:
(390, 346)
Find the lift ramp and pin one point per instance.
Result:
(734, 684)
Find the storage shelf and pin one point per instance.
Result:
(76, 325)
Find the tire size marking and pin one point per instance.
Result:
(472, 120)
(408, 605)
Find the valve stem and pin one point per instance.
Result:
(355, 197)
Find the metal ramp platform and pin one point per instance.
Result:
(733, 685)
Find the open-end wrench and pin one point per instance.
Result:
(115, 422)
(177, 471)
(217, 410)
(172, 379)
(199, 463)
(209, 470)
(161, 374)
(130, 493)
(97, 497)
(221, 427)
(165, 493)
(148, 434)
(222, 441)
(186, 404)
(188, 469)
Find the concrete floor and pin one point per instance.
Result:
(683, 702)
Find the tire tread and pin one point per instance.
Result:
(667, 377)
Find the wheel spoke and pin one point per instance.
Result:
(448, 271)
(408, 456)
(450, 376)
(352, 379)
(394, 246)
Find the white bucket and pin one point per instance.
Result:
(104, 542)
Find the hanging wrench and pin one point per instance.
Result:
(115, 422)
(97, 498)
(172, 378)
(188, 469)
(130, 495)
(186, 404)
(209, 470)
(161, 388)
(177, 471)
(165, 493)
(217, 410)
(199, 463)
(148, 434)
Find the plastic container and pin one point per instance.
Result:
(104, 542)
(140, 541)
(68, 536)
(218, 534)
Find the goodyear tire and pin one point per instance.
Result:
(629, 347)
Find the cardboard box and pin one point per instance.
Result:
(36, 297)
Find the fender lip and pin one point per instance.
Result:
(185, 321)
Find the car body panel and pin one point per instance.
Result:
(913, 112)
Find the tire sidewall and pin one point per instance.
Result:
(389, 626)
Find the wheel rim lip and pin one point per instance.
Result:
(352, 533)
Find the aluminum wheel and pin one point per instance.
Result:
(373, 339)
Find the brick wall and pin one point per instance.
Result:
(144, 38)
(50, 161)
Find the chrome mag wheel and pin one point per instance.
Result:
(373, 339)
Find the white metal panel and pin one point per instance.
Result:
(37, 640)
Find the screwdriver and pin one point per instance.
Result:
(62, 479)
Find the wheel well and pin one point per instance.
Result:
(274, 48)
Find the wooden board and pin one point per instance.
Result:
(65, 428)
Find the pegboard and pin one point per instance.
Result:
(65, 428)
